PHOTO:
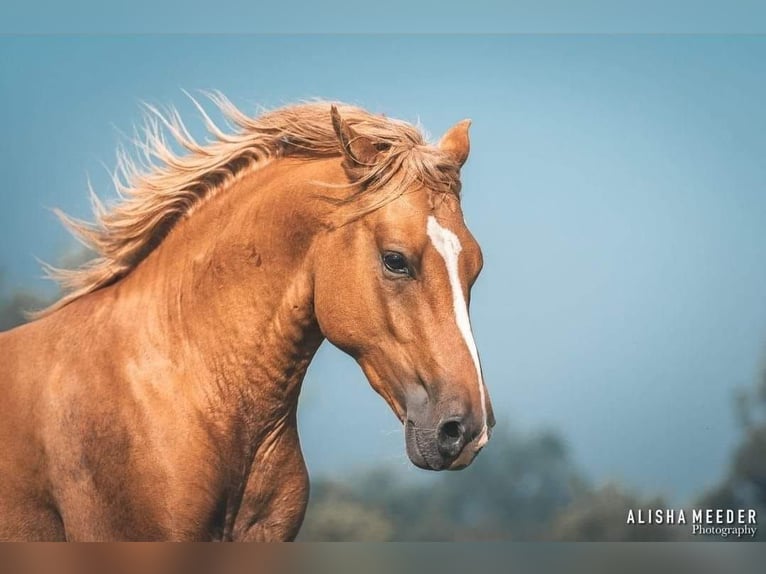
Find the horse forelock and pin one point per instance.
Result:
(162, 186)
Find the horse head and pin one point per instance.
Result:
(392, 289)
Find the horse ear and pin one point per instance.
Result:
(456, 143)
(358, 150)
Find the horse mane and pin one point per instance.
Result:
(164, 186)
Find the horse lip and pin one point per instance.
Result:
(469, 452)
(412, 439)
(413, 448)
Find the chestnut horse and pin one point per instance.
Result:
(157, 399)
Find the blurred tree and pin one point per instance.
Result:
(602, 515)
(745, 484)
(338, 516)
(513, 493)
(13, 306)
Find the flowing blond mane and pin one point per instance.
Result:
(166, 187)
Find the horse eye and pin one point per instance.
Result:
(395, 262)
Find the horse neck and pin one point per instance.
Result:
(229, 292)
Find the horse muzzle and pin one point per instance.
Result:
(450, 445)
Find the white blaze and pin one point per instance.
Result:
(448, 246)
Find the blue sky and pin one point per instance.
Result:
(617, 185)
(419, 16)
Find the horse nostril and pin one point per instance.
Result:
(450, 439)
(451, 429)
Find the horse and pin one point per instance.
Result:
(156, 399)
